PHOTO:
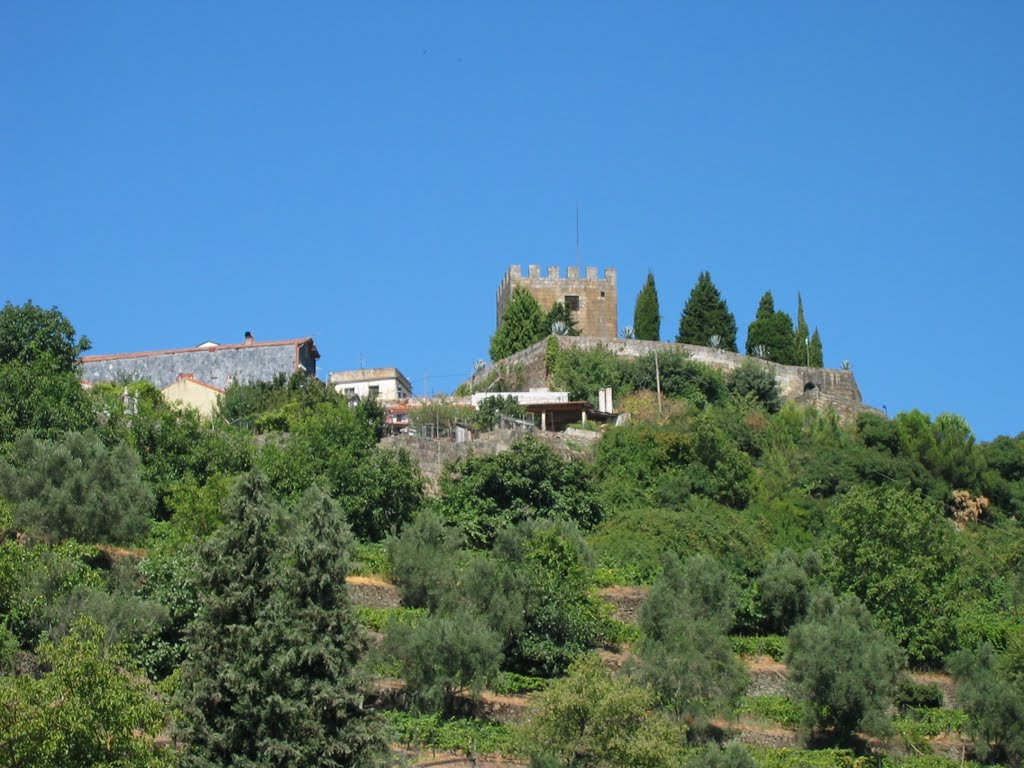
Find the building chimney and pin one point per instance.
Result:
(249, 340)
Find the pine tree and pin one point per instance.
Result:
(222, 696)
(771, 331)
(705, 315)
(315, 716)
(817, 355)
(269, 678)
(646, 313)
(522, 324)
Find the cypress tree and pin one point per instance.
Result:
(646, 313)
(705, 315)
(817, 355)
(801, 336)
(522, 324)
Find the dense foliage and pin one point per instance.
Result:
(685, 654)
(91, 708)
(145, 550)
(272, 653)
(646, 312)
(523, 323)
(706, 316)
(482, 494)
(39, 387)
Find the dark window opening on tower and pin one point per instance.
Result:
(572, 303)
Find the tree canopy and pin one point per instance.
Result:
(522, 324)
(646, 313)
(39, 386)
(706, 315)
(270, 672)
(843, 668)
(771, 334)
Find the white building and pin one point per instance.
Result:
(385, 384)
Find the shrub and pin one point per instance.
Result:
(535, 589)
(784, 591)
(424, 559)
(633, 540)
(684, 654)
(77, 488)
(774, 646)
(483, 494)
(992, 694)
(842, 668)
(594, 717)
(443, 656)
(777, 709)
(896, 552)
(92, 708)
(754, 380)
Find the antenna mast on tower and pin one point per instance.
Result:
(577, 235)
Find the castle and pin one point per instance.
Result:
(592, 300)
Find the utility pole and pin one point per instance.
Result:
(657, 379)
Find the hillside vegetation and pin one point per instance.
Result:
(173, 590)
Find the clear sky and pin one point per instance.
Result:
(366, 172)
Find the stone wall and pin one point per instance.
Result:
(528, 369)
(598, 296)
(431, 455)
(217, 366)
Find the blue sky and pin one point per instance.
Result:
(365, 173)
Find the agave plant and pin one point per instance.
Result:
(760, 350)
(628, 332)
(847, 365)
(559, 328)
(715, 342)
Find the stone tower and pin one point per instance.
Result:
(592, 299)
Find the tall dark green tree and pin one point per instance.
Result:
(801, 334)
(706, 315)
(817, 353)
(646, 313)
(523, 324)
(269, 679)
(771, 333)
(222, 693)
(315, 714)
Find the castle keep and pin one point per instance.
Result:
(593, 300)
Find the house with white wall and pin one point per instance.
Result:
(385, 384)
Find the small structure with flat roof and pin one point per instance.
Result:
(384, 384)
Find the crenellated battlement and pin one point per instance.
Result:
(593, 296)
